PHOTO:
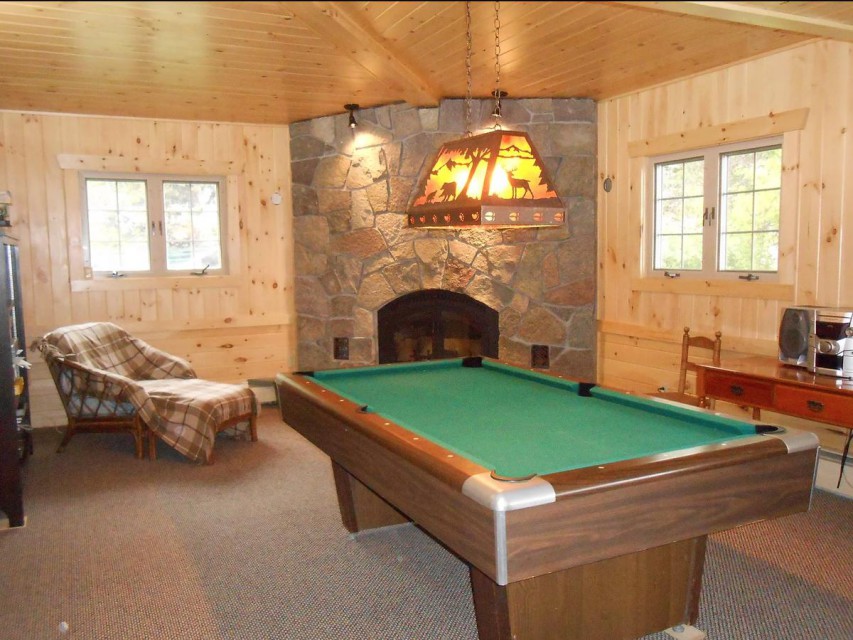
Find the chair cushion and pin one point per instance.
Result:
(81, 405)
(89, 407)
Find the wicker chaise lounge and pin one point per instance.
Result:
(109, 380)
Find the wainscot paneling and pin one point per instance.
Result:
(805, 94)
(232, 328)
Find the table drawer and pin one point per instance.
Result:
(740, 389)
(815, 405)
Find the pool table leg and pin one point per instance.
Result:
(360, 507)
(615, 599)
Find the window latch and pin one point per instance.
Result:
(203, 272)
(671, 274)
(749, 277)
(116, 274)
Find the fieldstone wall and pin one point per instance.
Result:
(354, 251)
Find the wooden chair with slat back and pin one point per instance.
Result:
(688, 345)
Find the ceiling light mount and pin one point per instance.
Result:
(498, 95)
(352, 108)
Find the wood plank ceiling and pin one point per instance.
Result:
(277, 62)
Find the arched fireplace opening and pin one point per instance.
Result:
(432, 324)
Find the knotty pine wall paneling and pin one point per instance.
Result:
(805, 94)
(232, 327)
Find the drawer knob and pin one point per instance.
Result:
(736, 390)
(815, 406)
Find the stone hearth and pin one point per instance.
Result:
(354, 252)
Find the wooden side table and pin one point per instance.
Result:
(769, 384)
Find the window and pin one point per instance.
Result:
(717, 212)
(153, 225)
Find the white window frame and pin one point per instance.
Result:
(156, 216)
(711, 234)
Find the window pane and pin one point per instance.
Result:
(668, 253)
(134, 256)
(101, 194)
(208, 254)
(692, 252)
(765, 251)
(737, 213)
(738, 252)
(177, 196)
(179, 255)
(105, 255)
(192, 225)
(694, 178)
(768, 169)
(671, 180)
(670, 216)
(134, 226)
(693, 215)
(767, 211)
(739, 172)
(206, 198)
(132, 196)
(117, 225)
(103, 226)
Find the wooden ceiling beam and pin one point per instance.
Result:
(756, 16)
(339, 24)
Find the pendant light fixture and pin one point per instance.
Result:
(495, 179)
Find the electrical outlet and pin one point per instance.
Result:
(540, 357)
(341, 348)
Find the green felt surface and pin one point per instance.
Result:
(517, 422)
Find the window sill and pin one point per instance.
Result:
(154, 282)
(728, 288)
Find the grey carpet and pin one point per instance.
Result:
(252, 548)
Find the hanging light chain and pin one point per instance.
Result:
(469, 48)
(497, 46)
(497, 93)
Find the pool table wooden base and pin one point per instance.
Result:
(624, 597)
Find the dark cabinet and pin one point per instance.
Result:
(14, 387)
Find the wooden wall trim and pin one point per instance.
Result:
(696, 286)
(124, 164)
(736, 344)
(748, 129)
(156, 282)
(277, 321)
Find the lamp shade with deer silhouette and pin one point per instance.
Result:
(494, 179)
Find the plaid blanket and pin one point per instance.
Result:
(172, 401)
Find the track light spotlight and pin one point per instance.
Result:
(352, 108)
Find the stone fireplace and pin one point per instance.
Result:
(355, 254)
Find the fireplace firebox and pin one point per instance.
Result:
(432, 324)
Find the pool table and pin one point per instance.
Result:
(582, 512)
